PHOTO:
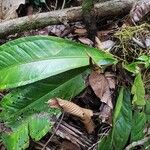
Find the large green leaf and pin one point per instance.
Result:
(35, 126)
(122, 121)
(134, 66)
(18, 139)
(31, 99)
(138, 125)
(24, 108)
(30, 59)
(138, 90)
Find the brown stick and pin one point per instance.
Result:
(105, 9)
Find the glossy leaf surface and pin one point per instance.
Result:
(31, 99)
(25, 108)
(34, 58)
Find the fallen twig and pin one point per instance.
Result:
(59, 122)
(105, 9)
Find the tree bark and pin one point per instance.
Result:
(107, 9)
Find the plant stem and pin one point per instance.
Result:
(89, 17)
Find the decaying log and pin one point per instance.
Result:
(106, 9)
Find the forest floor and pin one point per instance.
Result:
(123, 36)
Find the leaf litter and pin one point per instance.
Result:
(103, 85)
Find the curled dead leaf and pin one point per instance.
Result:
(71, 108)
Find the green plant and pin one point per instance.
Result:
(36, 69)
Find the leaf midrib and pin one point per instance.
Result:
(37, 60)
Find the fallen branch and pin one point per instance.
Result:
(105, 9)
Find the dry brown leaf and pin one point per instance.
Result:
(80, 32)
(106, 114)
(67, 145)
(100, 86)
(111, 80)
(8, 8)
(71, 108)
(139, 10)
(103, 86)
(105, 45)
(85, 41)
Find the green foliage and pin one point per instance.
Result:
(122, 122)
(145, 59)
(147, 111)
(138, 91)
(87, 6)
(138, 125)
(18, 139)
(30, 59)
(39, 125)
(23, 103)
(36, 126)
(134, 66)
(41, 67)
(30, 99)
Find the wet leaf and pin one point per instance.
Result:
(85, 41)
(30, 59)
(138, 91)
